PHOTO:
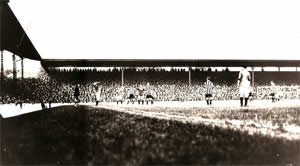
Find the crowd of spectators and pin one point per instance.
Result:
(59, 87)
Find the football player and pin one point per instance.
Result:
(120, 95)
(208, 85)
(244, 85)
(76, 95)
(274, 93)
(140, 92)
(97, 91)
(131, 96)
(149, 96)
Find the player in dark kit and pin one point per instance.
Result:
(131, 96)
(209, 89)
(19, 102)
(76, 95)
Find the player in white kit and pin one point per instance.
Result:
(149, 96)
(244, 85)
(120, 95)
(275, 94)
(141, 95)
(97, 91)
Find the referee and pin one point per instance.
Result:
(208, 85)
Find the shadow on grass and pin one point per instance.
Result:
(81, 135)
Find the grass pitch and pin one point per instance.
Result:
(159, 134)
(281, 119)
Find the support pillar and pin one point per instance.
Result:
(1, 128)
(22, 68)
(190, 77)
(1, 141)
(122, 76)
(14, 67)
(2, 67)
(2, 4)
(252, 77)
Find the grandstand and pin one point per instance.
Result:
(178, 128)
(14, 39)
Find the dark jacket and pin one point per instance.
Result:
(76, 93)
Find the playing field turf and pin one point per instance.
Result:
(98, 135)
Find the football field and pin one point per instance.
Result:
(280, 119)
(11, 110)
(181, 133)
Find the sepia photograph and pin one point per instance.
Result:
(139, 82)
